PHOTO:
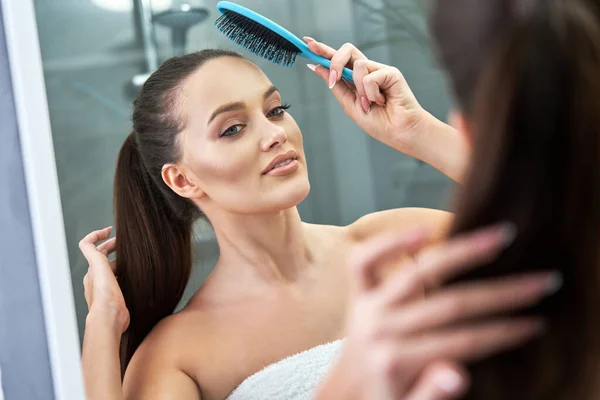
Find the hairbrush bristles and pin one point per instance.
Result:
(257, 38)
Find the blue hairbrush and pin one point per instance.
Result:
(265, 38)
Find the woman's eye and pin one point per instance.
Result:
(232, 130)
(278, 111)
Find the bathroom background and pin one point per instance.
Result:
(96, 53)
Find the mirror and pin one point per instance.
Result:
(96, 54)
(93, 51)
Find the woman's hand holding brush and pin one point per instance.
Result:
(383, 105)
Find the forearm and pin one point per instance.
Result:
(100, 359)
(439, 145)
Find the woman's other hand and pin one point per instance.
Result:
(398, 339)
(102, 292)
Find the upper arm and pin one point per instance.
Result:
(153, 381)
(399, 219)
(155, 373)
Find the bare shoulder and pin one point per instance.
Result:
(397, 220)
(157, 369)
(326, 235)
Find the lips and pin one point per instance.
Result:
(281, 161)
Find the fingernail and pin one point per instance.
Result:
(312, 67)
(366, 104)
(449, 381)
(508, 233)
(332, 79)
(308, 38)
(497, 235)
(554, 283)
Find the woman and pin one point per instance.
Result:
(537, 106)
(211, 137)
(526, 78)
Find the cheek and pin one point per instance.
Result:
(294, 135)
(225, 169)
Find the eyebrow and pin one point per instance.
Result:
(238, 105)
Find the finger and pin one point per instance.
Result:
(365, 258)
(437, 264)
(328, 52)
(97, 236)
(342, 93)
(376, 80)
(320, 71)
(99, 266)
(361, 70)
(91, 254)
(408, 285)
(346, 55)
(319, 48)
(87, 245)
(465, 301)
(440, 381)
(433, 264)
(108, 247)
(474, 342)
(371, 79)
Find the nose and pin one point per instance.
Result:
(274, 137)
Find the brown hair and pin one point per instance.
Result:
(527, 74)
(154, 224)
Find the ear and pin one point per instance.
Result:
(176, 178)
(461, 123)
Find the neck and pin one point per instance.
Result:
(270, 247)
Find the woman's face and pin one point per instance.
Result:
(241, 149)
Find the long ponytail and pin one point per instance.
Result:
(535, 109)
(153, 248)
(154, 224)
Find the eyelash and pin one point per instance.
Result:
(279, 108)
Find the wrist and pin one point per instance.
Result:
(441, 146)
(100, 355)
(421, 139)
(105, 320)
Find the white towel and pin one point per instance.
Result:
(293, 378)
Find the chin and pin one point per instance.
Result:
(293, 194)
